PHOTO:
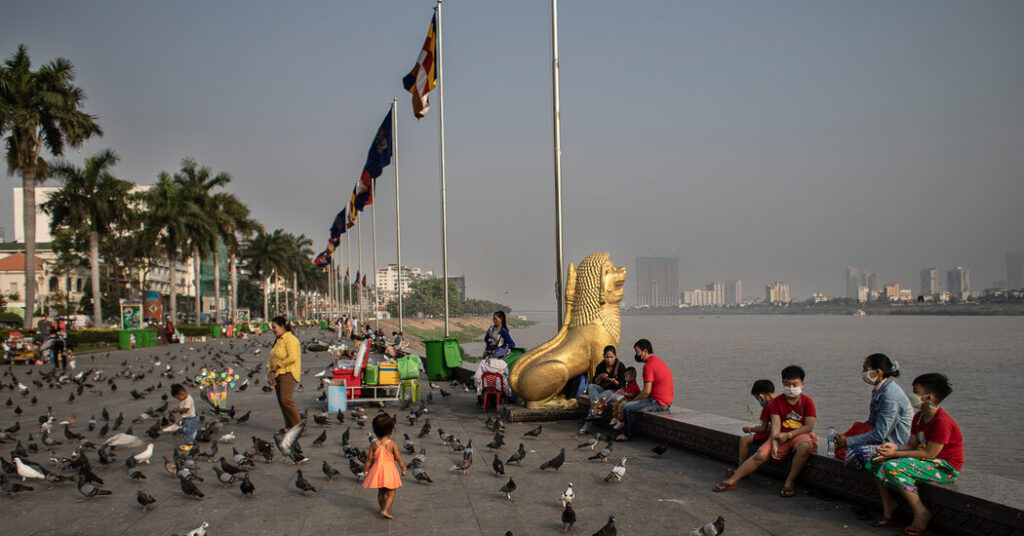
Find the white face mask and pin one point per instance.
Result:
(866, 376)
(792, 392)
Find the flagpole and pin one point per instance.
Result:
(557, 152)
(398, 212)
(330, 283)
(373, 232)
(359, 251)
(444, 202)
(347, 285)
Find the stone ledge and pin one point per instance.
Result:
(976, 504)
(517, 413)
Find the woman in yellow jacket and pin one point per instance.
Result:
(285, 366)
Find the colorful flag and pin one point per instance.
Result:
(323, 259)
(377, 158)
(364, 281)
(338, 227)
(357, 278)
(422, 78)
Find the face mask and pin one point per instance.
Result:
(792, 392)
(866, 376)
(762, 402)
(637, 358)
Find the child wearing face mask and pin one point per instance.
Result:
(763, 391)
(934, 453)
(792, 432)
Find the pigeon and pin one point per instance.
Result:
(10, 487)
(568, 518)
(463, 465)
(608, 529)
(499, 468)
(517, 456)
(357, 469)
(603, 453)
(170, 467)
(319, 441)
(135, 473)
(26, 471)
(243, 418)
(508, 488)
(556, 462)
(710, 529)
(425, 430)
(617, 472)
(660, 449)
(408, 445)
(497, 442)
(89, 490)
(145, 455)
(200, 530)
(330, 471)
(122, 440)
(247, 487)
(420, 474)
(288, 444)
(567, 496)
(535, 433)
(590, 444)
(227, 438)
(190, 489)
(144, 499)
(345, 435)
(303, 485)
(231, 469)
(223, 476)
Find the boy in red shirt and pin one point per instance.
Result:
(934, 453)
(792, 431)
(763, 391)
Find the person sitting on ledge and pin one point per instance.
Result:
(793, 415)
(889, 414)
(935, 453)
(609, 377)
(658, 389)
(763, 391)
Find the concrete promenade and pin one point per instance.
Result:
(667, 496)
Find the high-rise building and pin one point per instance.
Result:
(852, 282)
(777, 292)
(1015, 269)
(717, 290)
(733, 292)
(657, 281)
(892, 292)
(874, 283)
(929, 281)
(958, 282)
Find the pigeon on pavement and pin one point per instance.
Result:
(508, 488)
(617, 472)
(556, 462)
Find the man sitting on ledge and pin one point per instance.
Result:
(658, 392)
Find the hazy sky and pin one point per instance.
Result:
(759, 141)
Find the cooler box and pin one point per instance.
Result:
(371, 376)
(436, 368)
(389, 375)
(350, 378)
(336, 400)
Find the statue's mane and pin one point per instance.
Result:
(588, 305)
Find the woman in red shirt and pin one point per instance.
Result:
(935, 453)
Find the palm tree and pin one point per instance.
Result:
(201, 232)
(167, 221)
(262, 255)
(39, 109)
(232, 220)
(301, 255)
(93, 201)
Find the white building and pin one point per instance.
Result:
(777, 292)
(387, 280)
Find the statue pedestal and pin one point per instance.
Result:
(516, 413)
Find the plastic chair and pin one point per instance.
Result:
(414, 389)
(493, 383)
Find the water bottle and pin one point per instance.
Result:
(831, 453)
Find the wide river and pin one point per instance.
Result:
(714, 360)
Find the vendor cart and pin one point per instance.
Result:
(364, 383)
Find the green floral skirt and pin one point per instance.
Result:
(905, 473)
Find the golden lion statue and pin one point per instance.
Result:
(592, 296)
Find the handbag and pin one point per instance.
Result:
(409, 367)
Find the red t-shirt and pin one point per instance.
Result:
(766, 416)
(792, 415)
(632, 389)
(941, 429)
(656, 373)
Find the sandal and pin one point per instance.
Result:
(730, 471)
(724, 486)
(882, 522)
(912, 531)
(787, 492)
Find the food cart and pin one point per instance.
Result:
(370, 379)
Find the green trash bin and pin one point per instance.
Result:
(436, 368)
(513, 356)
(323, 324)
(452, 352)
(215, 331)
(124, 339)
(146, 338)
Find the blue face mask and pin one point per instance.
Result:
(762, 402)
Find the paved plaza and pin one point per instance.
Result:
(659, 496)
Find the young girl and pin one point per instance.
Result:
(622, 396)
(383, 473)
(934, 453)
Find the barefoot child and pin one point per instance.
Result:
(792, 432)
(382, 472)
(187, 409)
(934, 453)
(626, 394)
(763, 391)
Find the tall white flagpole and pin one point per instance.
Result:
(373, 232)
(347, 286)
(556, 130)
(444, 202)
(359, 251)
(398, 211)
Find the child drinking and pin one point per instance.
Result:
(187, 409)
(763, 391)
(934, 453)
(622, 396)
(382, 472)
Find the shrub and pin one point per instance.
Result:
(192, 330)
(92, 336)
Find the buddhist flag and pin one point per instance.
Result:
(422, 78)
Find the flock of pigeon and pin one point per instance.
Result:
(108, 438)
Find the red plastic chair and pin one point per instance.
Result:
(493, 384)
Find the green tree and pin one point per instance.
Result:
(197, 185)
(40, 109)
(167, 216)
(231, 217)
(92, 201)
(262, 256)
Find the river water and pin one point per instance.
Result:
(714, 360)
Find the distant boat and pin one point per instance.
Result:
(860, 312)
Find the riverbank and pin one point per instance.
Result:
(948, 309)
(466, 329)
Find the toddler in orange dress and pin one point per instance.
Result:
(383, 471)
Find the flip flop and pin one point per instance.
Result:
(912, 531)
(882, 522)
(730, 471)
(787, 493)
(724, 486)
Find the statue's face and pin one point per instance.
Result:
(613, 280)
